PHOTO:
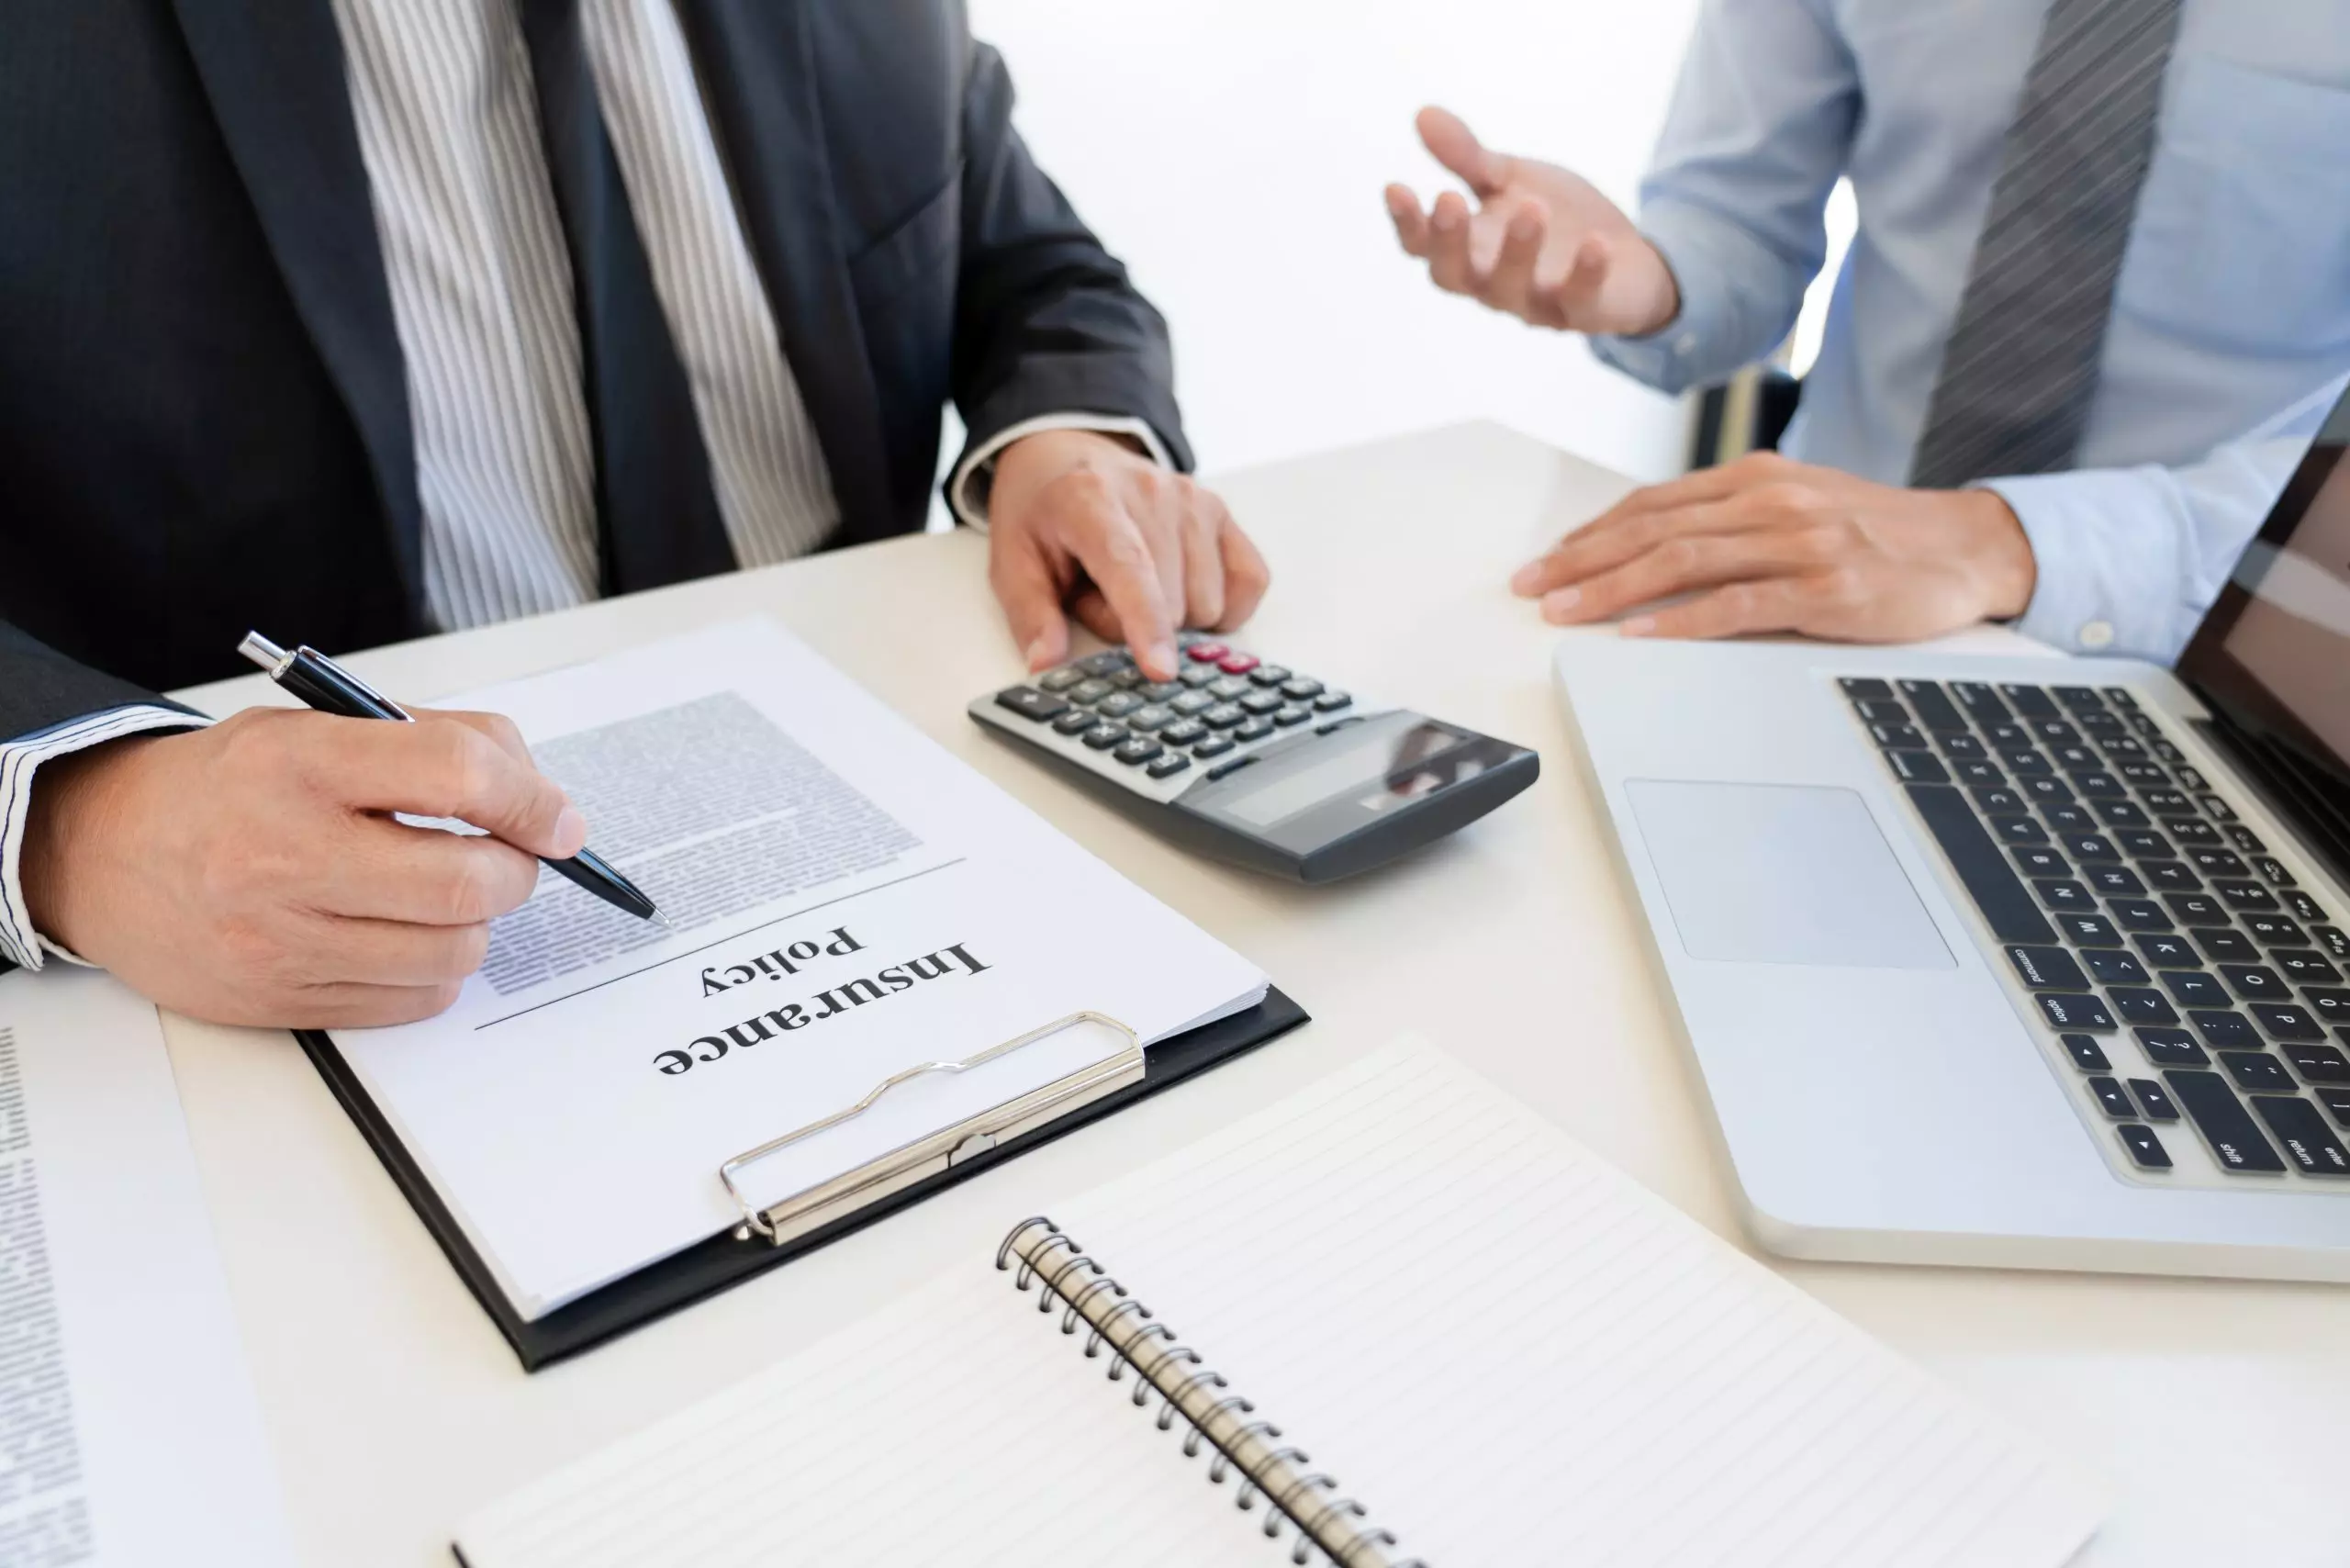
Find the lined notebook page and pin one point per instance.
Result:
(1506, 1351)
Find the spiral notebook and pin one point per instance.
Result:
(1395, 1318)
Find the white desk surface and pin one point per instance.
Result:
(395, 1407)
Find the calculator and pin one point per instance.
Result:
(1256, 763)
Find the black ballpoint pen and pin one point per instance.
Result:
(326, 685)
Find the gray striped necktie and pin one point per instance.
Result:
(2020, 368)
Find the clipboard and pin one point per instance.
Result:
(767, 1237)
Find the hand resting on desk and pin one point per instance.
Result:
(251, 872)
(1767, 544)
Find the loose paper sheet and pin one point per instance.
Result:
(129, 1433)
(850, 900)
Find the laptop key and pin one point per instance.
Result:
(2276, 931)
(2246, 895)
(2088, 931)
(2007, 737)
(2098, 784)
(1918, 767)
(2307, 908)
(2054, 732)
(2138, 914)
(2227, 947)
(2286, 1022)
(2111, 966)
(2063, 895)
(2000, 802)
(2077, 758)
(2256, 1073)
(2318, 1064)
(2171, 876)
(2234, 1138)
(2046, 968)
(1872, 713)
(2113, 881)
(2153, 1101)
(2167, 952)
(1933, 706)
(2143, 1145)
(2080, 699)
(1960, 746)
(2196, 909)
(2336, 1103)
(2193, 988)
(2068, 818)
(1980, 700)
(1903, 738)
(2254, 983)
(1866, 688)
(2018, 830)
(2161, 802)
(2118, 697)
(2243, 837)
(2089, 846)
(2121, 813)
(2086, 1053)
(2027, 764)
(2171, 1047)
(2217, 863)
(2029, 701)
(2217, 809)
(2226, 1031)
(2146, 844)
(2112, 1099)
(2138, 1005)
(2039, 860)
(1974, 770)
(2272, 871)
(2329, 1004)
(2334, 942)
(2048, 791)
(2301, 1132)
(2084, 1012)
(2192, 831)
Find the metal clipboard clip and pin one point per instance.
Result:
(903, 1166)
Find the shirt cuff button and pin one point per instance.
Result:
(2096, 634)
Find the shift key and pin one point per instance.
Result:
(2221, 1117)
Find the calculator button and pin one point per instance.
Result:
(1192, 702)
(1140, 749)
(1254, 730)
(1184, 732)
(1110, 661)
(1222, 716)
(1198, 675)
(1160, 691)
(1208, 652)
(1302, 687)
(1260, 701)
(1269, 674)
(1073, 722)
(1118, 705)
(1331, 701)
(1128, 679)
(1031, 703)
(1236, 664)
(1091, 690)
(1230, 687)
(1168, 764)
(1156, 715)
(1102, 737)
(1291, 714)
(1062, 679)
(1208, 748)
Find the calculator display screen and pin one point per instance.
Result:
(1382, 768)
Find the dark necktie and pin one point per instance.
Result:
(2021, 369)
(657, 516)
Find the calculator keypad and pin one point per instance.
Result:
(1223, 701)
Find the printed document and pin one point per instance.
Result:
(849, 901)
(129, 1431)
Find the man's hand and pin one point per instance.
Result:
(1543, 244)
(252, 873)
(1765, 545)
(1135, 550)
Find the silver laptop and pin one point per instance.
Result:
(2024, 962)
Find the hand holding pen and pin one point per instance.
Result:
(251, 873)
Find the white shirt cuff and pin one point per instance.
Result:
(972, 512)
(18, 760)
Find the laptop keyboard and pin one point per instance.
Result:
(2188, 977)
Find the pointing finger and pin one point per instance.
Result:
(1457, 148)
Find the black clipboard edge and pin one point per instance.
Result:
(705, 1269)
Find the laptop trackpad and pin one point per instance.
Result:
(1782, 874)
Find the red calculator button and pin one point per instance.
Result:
(1208, 652)
(1236, 664)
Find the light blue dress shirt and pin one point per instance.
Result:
(2230, 327)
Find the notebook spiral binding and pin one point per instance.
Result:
(1246, 1447)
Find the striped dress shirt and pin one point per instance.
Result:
(481, 293)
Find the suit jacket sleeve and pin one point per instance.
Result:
(1046, 320)
(41, 690)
